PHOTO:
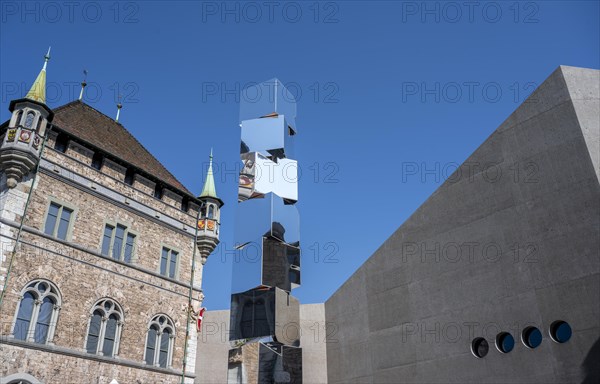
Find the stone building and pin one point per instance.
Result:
(102, 251)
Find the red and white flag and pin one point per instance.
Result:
(199, 322)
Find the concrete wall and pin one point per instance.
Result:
(510, 240)
(213, 346)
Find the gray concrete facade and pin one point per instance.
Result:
(510, 240)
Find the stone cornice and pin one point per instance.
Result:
(83, 355)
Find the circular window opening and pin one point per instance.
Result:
(479, 347)
(560, 331)
(505, 342)
(532, 337)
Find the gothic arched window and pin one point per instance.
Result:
(211, 211)
(37, 313)
(104, 330)
(18, 118)
(29, 119)
(160, 341)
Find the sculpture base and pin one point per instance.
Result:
(265, 363)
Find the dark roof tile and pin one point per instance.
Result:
(88, 124)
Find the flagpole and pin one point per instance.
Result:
(187, 320)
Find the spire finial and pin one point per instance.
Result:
(119, 106)
(83, 83)
(46, 59)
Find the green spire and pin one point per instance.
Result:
(38, 89)
(209, 189)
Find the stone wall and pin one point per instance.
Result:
(59, 368)
(83, 275)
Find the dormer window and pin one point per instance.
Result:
(129, 176)
(62, 142)
(29, 119)
(97, 160)
(158, 192)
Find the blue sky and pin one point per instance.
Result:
(391, 95)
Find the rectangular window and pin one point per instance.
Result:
(58, 221)
(168, 262)
(129, 248)
(108, 233)
(118, 243)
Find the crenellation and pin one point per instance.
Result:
(172, 198)
(114, 170)
(80, 152)
(51, 140)
(193, 209)
(143, 184)
(133, 192)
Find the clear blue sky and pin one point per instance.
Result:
(385, 87)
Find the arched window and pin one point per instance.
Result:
(104, 330)
(211, 211)
(29, 119)
(160, 341)
(20, 378)
(18, 119)
(39, 125)
(37, 313)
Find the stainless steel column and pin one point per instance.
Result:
(265, 325)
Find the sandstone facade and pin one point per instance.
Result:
(83, 276)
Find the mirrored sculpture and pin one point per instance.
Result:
(264, 316)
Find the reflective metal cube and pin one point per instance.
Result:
(260, 175)
(267, 99)
(272, 137)
(266, 262)
(260, 313)
(269, 216)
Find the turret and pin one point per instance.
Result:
(209, 219)
(21, 145)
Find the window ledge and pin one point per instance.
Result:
(84, 355)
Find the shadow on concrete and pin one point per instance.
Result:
(590, 365)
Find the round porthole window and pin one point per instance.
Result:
(560, 331)
(505, 342)
(532, 337)
(479, 347)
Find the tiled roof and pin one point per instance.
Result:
(93, 127)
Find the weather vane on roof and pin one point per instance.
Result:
(119, 106)
(83, 83)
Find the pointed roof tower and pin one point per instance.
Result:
(209, 189)
(37, 93)
(38, 89)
